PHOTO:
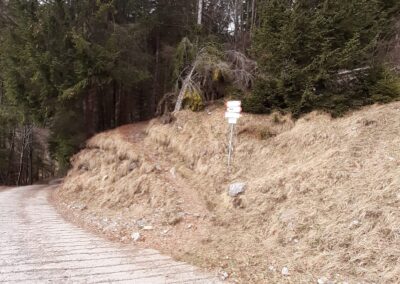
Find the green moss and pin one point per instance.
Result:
(193, 100)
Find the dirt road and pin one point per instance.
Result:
(38, 246)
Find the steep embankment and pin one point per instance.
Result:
(322, 195)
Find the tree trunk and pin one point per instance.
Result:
(236, 22)
(200, 13)
(153, 97)
(117, 112)
(253, 16)
(114, 105)
(10, 157)
(182, 92)
(30, 157)
(22, 156)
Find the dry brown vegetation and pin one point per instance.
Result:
(322, 196)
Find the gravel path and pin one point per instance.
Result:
(38, 246)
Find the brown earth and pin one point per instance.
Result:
(322, 195)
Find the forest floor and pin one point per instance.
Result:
(321, 200)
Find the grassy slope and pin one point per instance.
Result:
(322, 194)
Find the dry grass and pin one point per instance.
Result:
(323, 194)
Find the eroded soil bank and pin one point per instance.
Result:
(321, 200)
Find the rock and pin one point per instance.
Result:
(173, 172)
(136, 236)
(236, 189)
(79, 206)
(189, 226)
(285, 271)
(141, 223)
(105, 178)
(271, 268)
(322, 280)
(147, 228)
(355, 224)
(223, 275)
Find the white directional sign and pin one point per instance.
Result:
(230, 104)
(233, 110)
(232, 115)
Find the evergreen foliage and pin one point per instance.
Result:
(320, 54)
(76, 68)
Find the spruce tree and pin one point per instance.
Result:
(320, 54)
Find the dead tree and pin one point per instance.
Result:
(236, 67)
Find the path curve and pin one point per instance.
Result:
(38, 246)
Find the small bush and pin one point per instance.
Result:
(387, 89)
(193, 100)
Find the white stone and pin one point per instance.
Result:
(322, 280)
(78, 206)
(285, 271)
(136, 236)
(172, 171)
(223, 275)
(236, 189)
(141, 223)
(148, 228)
(355, 223)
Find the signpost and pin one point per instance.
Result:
(232, 114)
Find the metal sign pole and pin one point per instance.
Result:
(230, 146)
(232, 114)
